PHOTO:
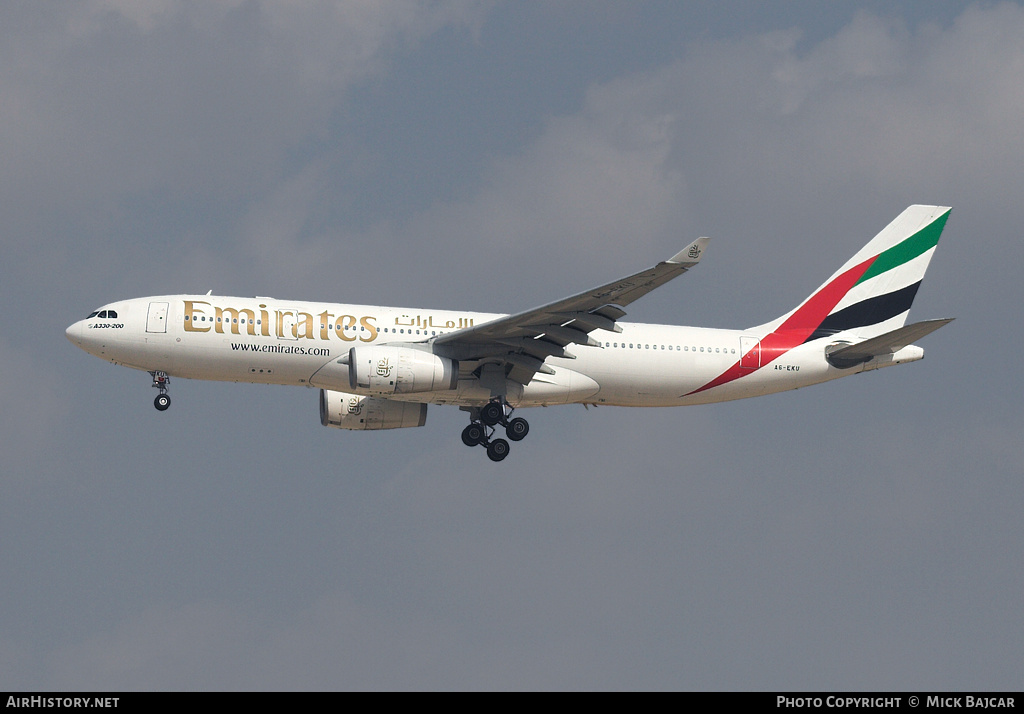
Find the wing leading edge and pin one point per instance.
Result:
(521, 342)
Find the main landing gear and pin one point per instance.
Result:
(160, 381)
(482, 423)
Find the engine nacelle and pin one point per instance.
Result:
(342, 410)
(386, 369)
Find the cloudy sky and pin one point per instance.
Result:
(492, 156)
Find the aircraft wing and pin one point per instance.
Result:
(521, 342)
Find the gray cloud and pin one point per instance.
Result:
(858, 535)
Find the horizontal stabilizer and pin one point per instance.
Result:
(887, 344)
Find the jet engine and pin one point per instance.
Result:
(387, 369)
(350, 411)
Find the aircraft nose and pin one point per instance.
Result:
(74, 333)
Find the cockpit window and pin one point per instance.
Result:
(93, 314)
(111, 313)
(102, 313)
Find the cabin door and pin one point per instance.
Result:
(750, 353)
(156, 321)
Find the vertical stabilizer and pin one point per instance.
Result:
(872, 293)
(869, 297)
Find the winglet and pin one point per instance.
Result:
(690, 255)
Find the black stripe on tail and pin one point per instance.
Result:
(867, 312)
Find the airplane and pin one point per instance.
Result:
(379, 367)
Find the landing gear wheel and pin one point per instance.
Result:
(473, 435)
(517, 429)
(492, 413)
(160, 381)
(497, 450)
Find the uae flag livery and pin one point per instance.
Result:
(869, 296)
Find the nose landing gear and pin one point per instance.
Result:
(482, 423)
(163, 399)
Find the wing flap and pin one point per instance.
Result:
(561, 335)
(541, 349)
(609, 311)
(589, 321)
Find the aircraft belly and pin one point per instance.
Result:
(645, 380)
(565, 386)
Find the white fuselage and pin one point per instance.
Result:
(269, 341)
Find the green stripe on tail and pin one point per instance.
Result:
(924, 240)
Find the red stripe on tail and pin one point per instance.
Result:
(799, 326)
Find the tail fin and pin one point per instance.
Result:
(872, 293)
